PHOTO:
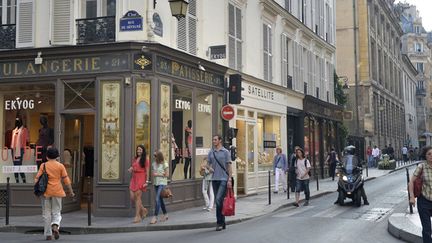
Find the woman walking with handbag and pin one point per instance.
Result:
(138, 182)
(52, 198)
(160, 175)
(424, 200)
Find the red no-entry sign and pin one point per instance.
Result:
(227, 112)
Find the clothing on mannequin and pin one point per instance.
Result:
(188, 156)
(18, 144)
(46, 138)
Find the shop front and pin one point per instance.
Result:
(321, 132)
(96, 104)
(262, 126)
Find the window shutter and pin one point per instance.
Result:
(270, 74)
(62, 19)
(181, 34)
(25, 23)
(284, 60)
(192, 34)
(296, 80)
(265, 52)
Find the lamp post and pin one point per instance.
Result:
(178, 8)
(381, 109)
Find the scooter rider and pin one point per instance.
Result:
(350, 160)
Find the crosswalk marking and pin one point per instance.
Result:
(332, 212)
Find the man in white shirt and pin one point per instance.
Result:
(405, 153)
(376, 155)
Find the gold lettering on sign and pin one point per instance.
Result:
(86, 64)
(77, 64)
(16, 71)
(7, 69)
(66, 65)
(44, 67)
(55, 66)
(95, 63)
(30, 68)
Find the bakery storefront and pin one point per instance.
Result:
(262, 126)
(321, 133)
(96, 104)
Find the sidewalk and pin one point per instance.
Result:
(246, 208)
(406, 226)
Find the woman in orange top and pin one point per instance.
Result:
(52, 198)
(138, 182)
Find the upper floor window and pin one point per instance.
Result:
(7, 12)
(417, 29)
(267, 52)
(288, 5)
(98, 8)
(234, 37)
(418, 47)
(420, 67)
(286, 54)
(187, 30)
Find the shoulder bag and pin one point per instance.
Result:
(42, 183)
(418, 183)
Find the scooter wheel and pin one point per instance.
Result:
(341, 198)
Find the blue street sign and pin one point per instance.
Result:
(131, 24)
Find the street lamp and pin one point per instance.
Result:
(178, 8)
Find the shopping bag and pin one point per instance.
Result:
(228, 208)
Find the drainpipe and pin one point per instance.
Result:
(356, 78)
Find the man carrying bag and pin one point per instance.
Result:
(219, 159)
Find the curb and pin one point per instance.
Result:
(403, 229)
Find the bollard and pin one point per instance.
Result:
(317, 179)
(367, 170)
(288, 185)
(7, 200)
(410, 206)
(89, 198)
(269, 187)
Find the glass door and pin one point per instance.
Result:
(78, 152)
(252, 166)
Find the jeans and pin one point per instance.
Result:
(303, 185)
(219, 188)
(159, 200)
(424, 207)
(18, 161)
(207, 188)
(51, 213)
(332, 169)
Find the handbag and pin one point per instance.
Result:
(166, 193)
(228, 208)
(418, 183)
(42, 183)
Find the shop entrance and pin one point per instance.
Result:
(78, 153)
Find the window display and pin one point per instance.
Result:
(268, 140)
(27, 121)
(203, 128)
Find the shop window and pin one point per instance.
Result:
(79, 95)
(142, 119)
(182, 132)
(240, 112)
(251, 114)
(219, 118)
(268, 137)
(203, 128)
(27, 122)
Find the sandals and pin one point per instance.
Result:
(153, 221)
(143, 212)
(163, 218)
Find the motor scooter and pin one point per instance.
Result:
(350, 184)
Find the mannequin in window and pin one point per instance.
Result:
(188, 155)
(18, 144)
(46, 139)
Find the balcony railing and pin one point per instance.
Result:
(96, 30)
(7, 36)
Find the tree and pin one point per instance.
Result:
(340, 97)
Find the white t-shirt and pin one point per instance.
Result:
(301, 169)
(404, 150)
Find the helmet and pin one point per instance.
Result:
(350, 149)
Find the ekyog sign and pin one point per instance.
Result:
(27, 155)
(19, 105)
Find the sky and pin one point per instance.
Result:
(424, 7)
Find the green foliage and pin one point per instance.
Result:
(386, 163)
(343, 134)
(340, 97)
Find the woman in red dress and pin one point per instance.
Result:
(138, 183)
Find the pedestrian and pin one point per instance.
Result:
(207, 187)
(405, 153)
(332, 160)
(384, 150)
(52, 198)
(138, 182)
(416, 154)
(280, 168)
(291, 169)
(220, 161)
(390, 151)
(160, 175)
(424, 201)
(376, 156)
(369, 156)
(302, 180)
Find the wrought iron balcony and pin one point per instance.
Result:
(7, 36)
(96, 30)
